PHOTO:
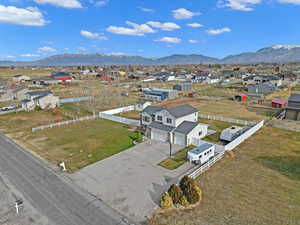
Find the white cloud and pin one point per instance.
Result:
(146, 9)
(241, 5)
(296, 2)
(91, 35)
(195, 25)
(7, 57)
(61, 3)
(183, 13)
(194, 41)
(83, 49)
(164, 26)
(47, 49)
(218, 31)
(117, 53)
(101, 3)
(30, 55)
(173, 40)
(136, 30)
(22, 16)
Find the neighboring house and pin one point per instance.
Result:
(62, 77)
(278, 103)
(183, 87)
(42, 99)
(213, 80)
(141, 105)
(177, 125)
(46, 81)
(293, 108)
(240, 97)
(259, 79)
(21, 78)
(157, 94)
(262, 88)
(16, 93)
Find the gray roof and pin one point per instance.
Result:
(40, 93)
(186, 127)
(294, 98)
(161, 126)
(152, 109)
(182, 110)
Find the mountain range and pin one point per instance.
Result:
(273, 54)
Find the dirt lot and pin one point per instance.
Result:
(260, 185)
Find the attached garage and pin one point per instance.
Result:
(159, 135)
(179, 139)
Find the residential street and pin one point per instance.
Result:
(51, 194)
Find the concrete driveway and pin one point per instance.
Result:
(131, 181)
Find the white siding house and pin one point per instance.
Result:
(177, 125)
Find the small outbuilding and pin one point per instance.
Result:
(202, 154)
(240, 97)
(141, 105)
(278, 103)
(183, 87)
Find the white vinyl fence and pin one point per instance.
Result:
(228, 147)
(244, 136)
(207, 165)
(63, 123)
(119, 119)
(105, 115)
(119, 110)
(229, 120)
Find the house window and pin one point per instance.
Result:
(153, 117)
(159, 118)
(169, 120)
(200, 133)
(146, 119)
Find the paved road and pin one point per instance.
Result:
(51, 194)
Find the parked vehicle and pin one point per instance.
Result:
(202, 154)
(8, 108)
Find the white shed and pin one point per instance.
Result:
(202, 154)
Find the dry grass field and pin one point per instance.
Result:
(35, 72)
(257, 185)
(225, 108)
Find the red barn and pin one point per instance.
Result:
(106, 79)
(278, 103)
(62, 76)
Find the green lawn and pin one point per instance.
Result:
(83, 143)
(218, 126)
(177, 160)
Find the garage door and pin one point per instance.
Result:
(179, 140)
(159, 135)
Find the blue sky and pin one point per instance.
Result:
(33, 29)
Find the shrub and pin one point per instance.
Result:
(176, 193)
(190, 189)
(183, 201)
(166, 201)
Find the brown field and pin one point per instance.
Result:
(36, 72)
(225, 108)
(257, 185)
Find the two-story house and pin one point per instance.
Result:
(178, 125)
(292, 111)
